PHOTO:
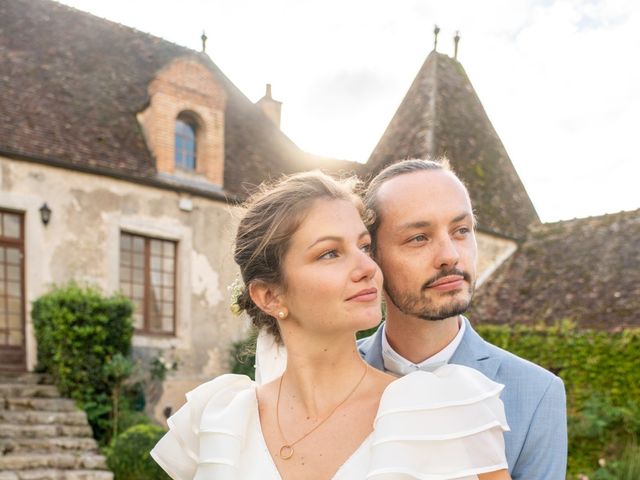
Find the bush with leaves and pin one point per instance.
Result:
(84, 340)
(128, 457)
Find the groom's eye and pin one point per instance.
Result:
(418, 238)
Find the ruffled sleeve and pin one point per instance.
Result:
(191, 441)
(440, 425)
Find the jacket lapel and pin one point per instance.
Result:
(474, 352)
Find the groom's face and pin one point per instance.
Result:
(426, 244)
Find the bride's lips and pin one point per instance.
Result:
(365, 295)
(446, 284)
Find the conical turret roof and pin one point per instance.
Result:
(441, 115)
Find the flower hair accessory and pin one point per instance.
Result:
(236, 288)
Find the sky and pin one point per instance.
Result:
(559, 79)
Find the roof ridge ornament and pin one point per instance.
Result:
(436, 31)
(456, 40)
(204, 37)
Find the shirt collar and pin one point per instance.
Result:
(398, 365)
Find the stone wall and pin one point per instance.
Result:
(493, 251)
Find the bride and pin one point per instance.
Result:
(310, 285)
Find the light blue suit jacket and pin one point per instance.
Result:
(534, 401)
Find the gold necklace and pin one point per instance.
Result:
(286, 450)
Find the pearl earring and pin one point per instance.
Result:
(282, 314)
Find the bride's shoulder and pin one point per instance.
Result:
(219, 391)
(227, 396)
(219, 404)
(448, 385)
(453, 416)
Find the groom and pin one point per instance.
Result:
(424, 241)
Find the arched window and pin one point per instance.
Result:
(185, 142)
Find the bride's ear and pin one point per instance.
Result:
(267, 298)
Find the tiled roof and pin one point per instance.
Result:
(335, 166)
(442, 115)
(71, 85)
(587, 270)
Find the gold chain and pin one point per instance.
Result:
(286, 450)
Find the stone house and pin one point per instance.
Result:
(124, 157)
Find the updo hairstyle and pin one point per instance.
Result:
(273, 215)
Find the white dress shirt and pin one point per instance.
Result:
(398, 365)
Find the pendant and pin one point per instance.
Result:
(286, 452)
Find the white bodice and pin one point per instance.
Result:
(446, 424)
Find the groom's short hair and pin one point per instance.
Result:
(401, 168)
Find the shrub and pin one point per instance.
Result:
(83, 341)
(128, 457)
(243, 357)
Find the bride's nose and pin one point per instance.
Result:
(364, 267)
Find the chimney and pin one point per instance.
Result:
(270, 107)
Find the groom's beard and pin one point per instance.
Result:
(423, 304)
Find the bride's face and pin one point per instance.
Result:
(332, 284)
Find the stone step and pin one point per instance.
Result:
(47, 404)
(49, 474)
(28, 390)
(57, 461)
(47, 445)
(25, 378)
(33, 417)
(43, 436)
(44, 431)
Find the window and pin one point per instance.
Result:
(185, 142)
(12, 352)
(147, 278)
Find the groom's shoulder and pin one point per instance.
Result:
(514, 367)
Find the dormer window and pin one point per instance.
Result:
(184, 121)
(186, 146)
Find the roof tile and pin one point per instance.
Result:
(586, 270)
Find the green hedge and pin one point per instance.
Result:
(601, 373)
(128, 457)
(84, 339)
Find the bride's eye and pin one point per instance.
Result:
(328, 255)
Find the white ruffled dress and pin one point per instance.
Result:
(440, 425)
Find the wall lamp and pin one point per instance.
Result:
(45, 213)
